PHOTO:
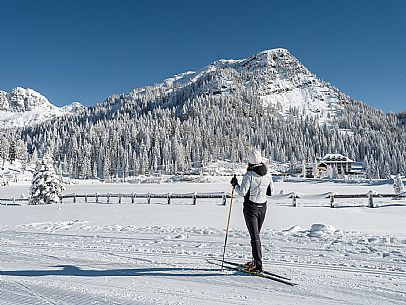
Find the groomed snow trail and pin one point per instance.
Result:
(74, 263)
(156, 254)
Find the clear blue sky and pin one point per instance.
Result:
(87, 50)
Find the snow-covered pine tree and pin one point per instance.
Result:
(47, 186)
(315, 170)
(398, 184)
(12, 152)
(335, 172)
(22, 154)
(4, 145)
(386, 171)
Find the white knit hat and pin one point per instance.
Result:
(254, 157)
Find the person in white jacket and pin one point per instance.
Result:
(256, 184)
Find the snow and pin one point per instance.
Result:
(73, 108)
(285, 83)
(181, 76)
(23, 107)
(156, 253)
(336, 157)
(46, 186)
(10, 173)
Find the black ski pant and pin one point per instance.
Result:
(254, 215)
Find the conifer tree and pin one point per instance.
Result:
(46, 186)
(398, 184)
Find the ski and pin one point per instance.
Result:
(263, 275)
(242, 266)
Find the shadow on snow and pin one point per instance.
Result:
(68, 270)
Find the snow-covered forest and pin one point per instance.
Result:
(269, 101)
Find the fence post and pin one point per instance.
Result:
(132, 197)
(331, 200)
(74, 198)
(194, 198)
(371, 199)
(224, 198)
(119, 198)
(97, 197)
(169, 198)
(294, 199)
(149, 198)
(108, 197)
(86, 198)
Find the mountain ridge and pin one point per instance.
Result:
(279, 80)
(269, 101)
(23, 107)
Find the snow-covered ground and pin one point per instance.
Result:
(88, 253)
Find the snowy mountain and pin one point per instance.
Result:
(25, 107)
(269, 101)
(276, 77)
(73, 108)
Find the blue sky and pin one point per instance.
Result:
(87, 50)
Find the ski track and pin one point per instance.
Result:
(166, 265)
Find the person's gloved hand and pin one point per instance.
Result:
(234, 181)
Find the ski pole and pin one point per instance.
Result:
(228, 224)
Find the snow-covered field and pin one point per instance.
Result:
(88, 253)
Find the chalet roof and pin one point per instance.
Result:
(334, 158)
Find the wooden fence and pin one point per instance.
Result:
(370, 196)
(97, 197)
(148, 196)
(12, 201)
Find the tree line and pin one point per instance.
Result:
(217, 116)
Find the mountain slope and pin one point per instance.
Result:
(277, 78)
(269, 101)
(24, 107)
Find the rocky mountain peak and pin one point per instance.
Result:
(23, 99)
(24, 107)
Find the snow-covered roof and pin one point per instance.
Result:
(333, 158)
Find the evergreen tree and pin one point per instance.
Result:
(4, 146)
(304, 169)
(315, 170)
(398, 184)
(46, 186)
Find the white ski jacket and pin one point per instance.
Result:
(256, 184)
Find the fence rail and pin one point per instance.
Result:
(12, 200)
(370, 196)
(333, 196)
(149, 196)
(108, 196)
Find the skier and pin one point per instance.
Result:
(255, 186)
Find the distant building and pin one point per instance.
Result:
(358, 168)
(333, 164)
